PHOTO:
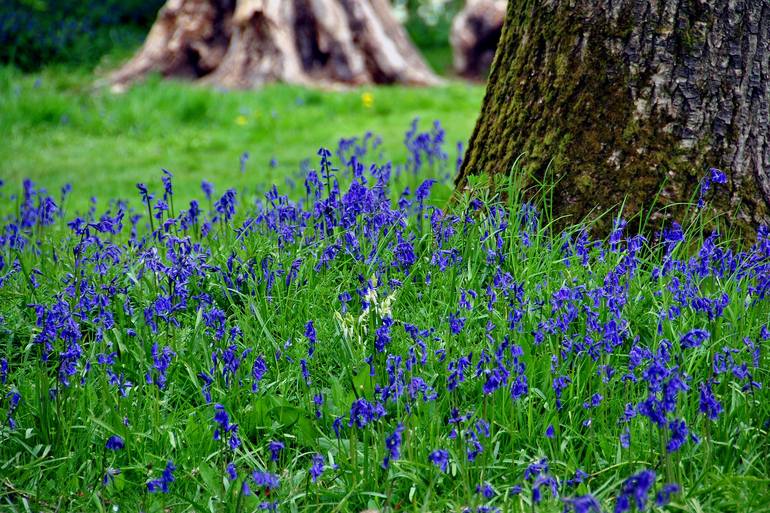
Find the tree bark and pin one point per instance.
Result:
(249, 43)
(628, 98)
(474, 37)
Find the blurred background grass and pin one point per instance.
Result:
(58, 130)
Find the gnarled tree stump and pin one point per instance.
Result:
(189, 39)
(247, 43)
(475, 33)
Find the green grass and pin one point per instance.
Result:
(58, 128)
(543, 292)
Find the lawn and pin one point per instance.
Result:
(58, 128)
(349, 340)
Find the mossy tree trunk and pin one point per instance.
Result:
(618, 100)
(247, 43)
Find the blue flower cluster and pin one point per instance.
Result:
(359, 334)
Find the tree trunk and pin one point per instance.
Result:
(628, 98)
(474, 36)
(248, 43)
(189, 39)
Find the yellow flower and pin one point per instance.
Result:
(241, 120)
(367, 100)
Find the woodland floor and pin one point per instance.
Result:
(340, 343)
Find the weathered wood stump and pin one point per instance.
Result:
(247, 43)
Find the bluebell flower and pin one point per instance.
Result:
(318, 400)
(47, 212)
(637, 489)
(482, 428)
(311, 336)
(617, 234)
(580, 477)
(232, 472)
(337, 426)
(486, 490)
(109, 475)
(345, 298)
(440, 458)
(457, 370)
(265, 480)
(114, 443)
(222, 419)
(258, 371)
(549, 432)
(161, 362)
(393, 445)
(160, 208)
(207, 188)
(275, 447)
(404, 254)
(595, 401)
(519, 387)
(167, 186)
(693, 338)
(714, 176)
(709, 405)
(495, 380)
(225, 206)
(293, 272)
(362, 412)
(317, 467)
(166, 478)
(423, 191)
(547, 482)
(663, 497)
(382, 335)
(560, 383)
(536, 469)
(68, 361)
(456, 323)
(625, 438)
(717, 176)
(146, 196)
(672, 236)
(679, 432)
(582, 504)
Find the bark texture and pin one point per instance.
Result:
(247, 43)
(474, 36)
(628, 98)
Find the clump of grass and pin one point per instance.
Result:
(344, 343)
